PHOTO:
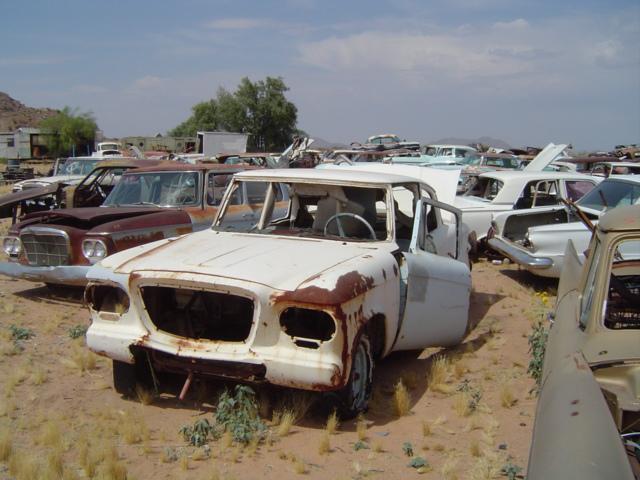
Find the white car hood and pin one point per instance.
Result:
(279, 262)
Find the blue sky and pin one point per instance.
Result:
(522, 71)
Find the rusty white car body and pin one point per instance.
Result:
(536, 239)
(589, 403)
(497, 192)
(306, 299)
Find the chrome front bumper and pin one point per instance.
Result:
(74, 275)
(519, 255)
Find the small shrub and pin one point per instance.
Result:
(510, 470)
(407, 449)
(199, 433)
(238, 414)
(77, 331)
(360, 445)
(537, 344)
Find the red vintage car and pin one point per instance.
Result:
(147, 204)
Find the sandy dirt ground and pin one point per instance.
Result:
(470, 407)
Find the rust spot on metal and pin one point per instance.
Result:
(349, 286)
(574, 414)
(575, 402)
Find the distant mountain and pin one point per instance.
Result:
(14, 114)
(492, 142)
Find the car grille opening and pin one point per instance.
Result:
(199, 314)
(45, 248)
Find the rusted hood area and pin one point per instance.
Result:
(281, 263)
(88, 217)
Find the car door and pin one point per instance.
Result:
(435, 284)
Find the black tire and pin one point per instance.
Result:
(354, 397)
(127, 375)
(124, 377)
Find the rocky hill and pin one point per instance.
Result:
(14, 114)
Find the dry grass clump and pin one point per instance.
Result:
(324, 446)
(332, 423)
(448, 469)
(485, 468)
(6, 444)
(80, 359)
(23, 466)
(426, 429)
(287, 419)
(475, 449)
(50, 434)
(377, 446)
(401, 400)
(439, 375)
(54, 467)
(144, 396)
(462, 405)
(38, 376)
(361, 428)
(299, 466)
(507, 397)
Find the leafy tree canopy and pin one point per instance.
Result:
(259, 109)
(70, 129)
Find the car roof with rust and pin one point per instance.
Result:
(621, 218)
(326, 175)
(169, 166)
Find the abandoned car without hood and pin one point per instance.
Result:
(359, 265)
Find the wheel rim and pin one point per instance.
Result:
(360, 377)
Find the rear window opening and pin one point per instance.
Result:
(199, 314)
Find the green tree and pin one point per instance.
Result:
(70, 130)
(259, 109)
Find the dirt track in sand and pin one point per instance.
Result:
(57, 403)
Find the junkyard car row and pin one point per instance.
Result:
(304, 278)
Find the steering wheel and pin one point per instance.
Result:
(99, 190)
(337, 216)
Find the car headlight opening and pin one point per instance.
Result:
(94, 250)
(12, 246)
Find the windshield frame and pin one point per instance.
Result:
(195, 203)
(285, 186)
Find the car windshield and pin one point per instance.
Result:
(313, 210)
(471, 160)
(77, 167)
(610, 194)
(167, 189)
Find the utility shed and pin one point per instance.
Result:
(23, 143)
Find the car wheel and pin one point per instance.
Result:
(354, 397)
(127, 375)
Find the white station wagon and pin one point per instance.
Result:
(497, 192)
(308, 299)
